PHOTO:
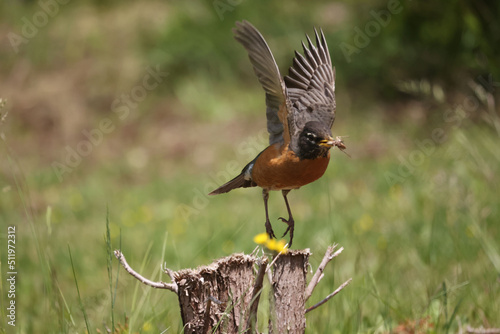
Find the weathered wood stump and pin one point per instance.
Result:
(223, 297)
(216, 296)
(288, 287)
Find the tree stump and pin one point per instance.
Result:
(288, 287)
(223, 297)
(216, 296)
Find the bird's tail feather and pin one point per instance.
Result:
(238, 182)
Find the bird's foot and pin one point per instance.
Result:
(269, 229)
(290, 222)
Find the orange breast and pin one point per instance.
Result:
(277, 169)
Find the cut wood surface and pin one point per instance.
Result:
(226, 283)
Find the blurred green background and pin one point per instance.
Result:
(139, 109)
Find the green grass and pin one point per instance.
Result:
(424, 248)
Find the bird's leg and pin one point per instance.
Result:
(269, 228)
(290, 222)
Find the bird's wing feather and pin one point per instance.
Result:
(310, 86)
(264, 65)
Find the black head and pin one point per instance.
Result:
(315, 141)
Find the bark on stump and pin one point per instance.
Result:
(288, 287)
(216, 295)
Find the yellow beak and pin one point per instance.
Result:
(329, 142)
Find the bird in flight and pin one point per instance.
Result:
(300, 110)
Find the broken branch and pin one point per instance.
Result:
(318, 275)
(257, 289)
(343, 285)
(158, 285)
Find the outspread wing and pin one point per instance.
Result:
(269, 77)
(311, 86)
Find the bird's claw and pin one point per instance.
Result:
(286, 222)
(290, 223)
(269, 230)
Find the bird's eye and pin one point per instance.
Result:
(311, 137)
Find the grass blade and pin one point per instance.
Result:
(78, 291)
(109, 251)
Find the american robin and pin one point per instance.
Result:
(300, 110)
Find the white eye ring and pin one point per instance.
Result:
(310, 136)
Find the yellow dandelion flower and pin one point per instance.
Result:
(147, 327)
(278, 246)
(261, 238)
(281, 247)
(271, 244)
(366, 222)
